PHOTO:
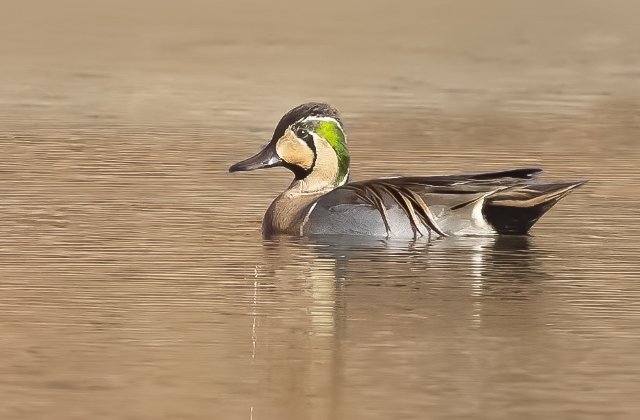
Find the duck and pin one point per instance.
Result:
(310, 141)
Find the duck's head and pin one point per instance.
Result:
(310, 141)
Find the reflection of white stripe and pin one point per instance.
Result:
(321, 310)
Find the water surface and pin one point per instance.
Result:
(134, 281)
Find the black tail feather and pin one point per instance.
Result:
(523, 173)
(515, 210)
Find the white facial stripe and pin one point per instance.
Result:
(319, 118)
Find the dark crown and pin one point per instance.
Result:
(309, 109)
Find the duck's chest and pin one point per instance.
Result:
(287, 213)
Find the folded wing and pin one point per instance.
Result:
(508, 202)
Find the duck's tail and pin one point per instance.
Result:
(514, 210)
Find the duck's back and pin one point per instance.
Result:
(507, 202)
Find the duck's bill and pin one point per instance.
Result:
(266, 158)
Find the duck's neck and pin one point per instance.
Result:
(288, 211)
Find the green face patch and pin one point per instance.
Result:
(332, 133)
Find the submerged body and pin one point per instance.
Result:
(310, 141)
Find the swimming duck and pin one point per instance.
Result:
(310, 140)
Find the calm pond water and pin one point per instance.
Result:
(134, 281)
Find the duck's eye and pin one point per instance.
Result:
(302, 133)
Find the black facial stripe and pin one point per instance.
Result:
(298, 172)
(309, 140)
(312, 146)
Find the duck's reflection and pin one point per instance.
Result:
(465, 269)
(348, 290)
(494, 259)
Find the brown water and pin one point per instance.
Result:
(134, 282)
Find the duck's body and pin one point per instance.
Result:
(310, 141)
(508, 202)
